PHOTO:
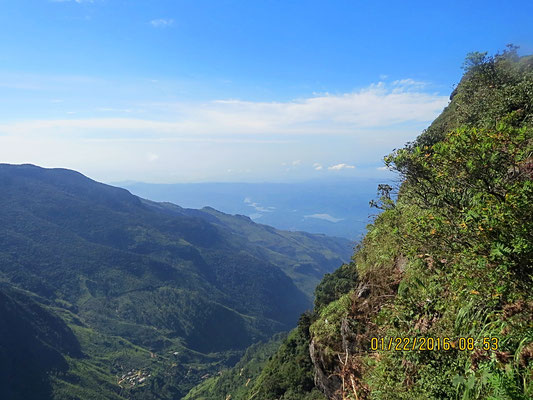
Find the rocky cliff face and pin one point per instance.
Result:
(328, 384)
(337, 357)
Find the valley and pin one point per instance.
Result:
(172, 294)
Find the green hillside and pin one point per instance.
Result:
(147, 287)
(33, 342)
(449, 257)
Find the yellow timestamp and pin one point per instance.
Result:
(433, 343)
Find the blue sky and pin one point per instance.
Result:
(184, 91)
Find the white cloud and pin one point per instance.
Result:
(325, 217)
(376, 107)
(402, 85)
(296, 162)
(152, 157)
(162, 22)
(338, 167)
(371, 107)
(248, 201)
(382, 168)
(198, 141)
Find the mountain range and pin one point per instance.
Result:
(169, 293)
(335, 207)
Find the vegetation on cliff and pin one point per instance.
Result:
(450, 256)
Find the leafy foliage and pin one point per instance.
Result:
(334, 285)
(493, 88)
(451, 257)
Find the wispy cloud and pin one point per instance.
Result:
(152, 157)
(325, 217)
(376, 107)
(409, 82)
(402, 85)
(339, 167)
(73, 1)
(248, 201)
(162, 22)
(321, 130)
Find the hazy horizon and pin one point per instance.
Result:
(232, 90)
(336, 207)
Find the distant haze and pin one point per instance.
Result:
(336, 208)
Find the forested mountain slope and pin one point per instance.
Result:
(450, 258)
(333, 206)
(33, 342)
(149, 286)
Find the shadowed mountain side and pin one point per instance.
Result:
(302, 256)
(137, 280)
(333, 206)
(107, 254)
(33, 342)
(114, 257)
